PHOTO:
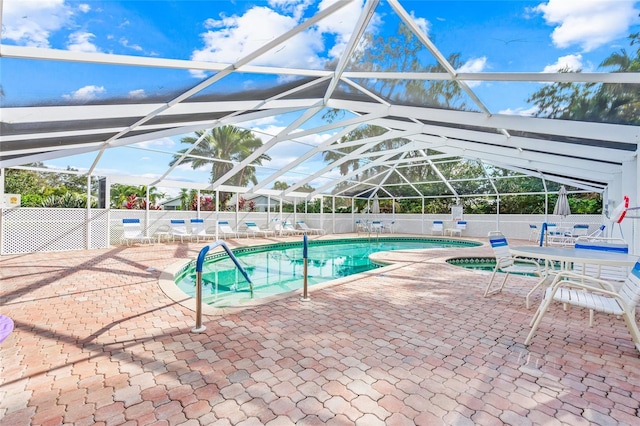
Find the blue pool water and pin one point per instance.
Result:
(278, 268)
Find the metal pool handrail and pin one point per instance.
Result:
(199, 328)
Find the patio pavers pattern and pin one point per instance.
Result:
(97, 342)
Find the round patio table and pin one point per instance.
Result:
(6, 327)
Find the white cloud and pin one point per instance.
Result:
(422, 23)
(86, 93)
(474, 65)
(80, 41)
(471, 66)
(30, 23)
(137, 94)
(157, 144)
(124, 42)
(231, 38)
(570, 62)
(529, 112)
(588, 23)
(84, 8)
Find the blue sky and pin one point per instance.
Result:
(490, 36)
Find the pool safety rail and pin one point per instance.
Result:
(199, 328)
(305, 257)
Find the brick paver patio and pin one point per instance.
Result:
(97, 342)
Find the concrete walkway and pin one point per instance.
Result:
(97, 342)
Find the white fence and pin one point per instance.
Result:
(29, 230)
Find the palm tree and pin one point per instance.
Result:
(228, 143)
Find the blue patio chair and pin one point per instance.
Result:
(508, 264)
(437, 227)
(132, 232)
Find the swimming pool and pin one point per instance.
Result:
(278, 268)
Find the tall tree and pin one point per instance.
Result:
(607, 103)
(227, 143)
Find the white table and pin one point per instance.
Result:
(569, 255)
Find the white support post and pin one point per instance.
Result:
(88, 215)
(107, 205)
(198, 204)
(146, 214)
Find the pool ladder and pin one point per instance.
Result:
(199, 328)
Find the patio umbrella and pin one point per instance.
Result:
(562, 205)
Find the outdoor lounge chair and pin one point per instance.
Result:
(198, 230)
(179, 229)
(437, 227)
(507, 263)
(573, 289)
(133, 232)
(303, 226)
(289, 228)
(254, 229)
(225, 229)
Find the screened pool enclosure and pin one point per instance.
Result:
(383, 106)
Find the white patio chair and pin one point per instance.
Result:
(616, 275)
(198, 230)
(361, 226)
(303, 226)
(224, 229)
(534, 232)
(437, 227)
(508, 264)
(179, 229)
(254, 229)
(389, 227)
(132, 232)
(376, 226)
(597, 295)
(460, 226)
(289, 228)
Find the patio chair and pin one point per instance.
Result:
(376, 226)
(534, 232)
(254, 229)
(224, 229)
(597, 295)
(568, 237)
(179, 229)
(302, 225)
(289, 228)
(616, 275)
(598, 231)
(361, 226)
(198, 230)
(461, 225)
(437, 227)
(133, 232)
(508, 264)
(389, 227)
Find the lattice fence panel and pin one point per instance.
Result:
(99, 237)
(30, 230)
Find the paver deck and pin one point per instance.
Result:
(97, 342)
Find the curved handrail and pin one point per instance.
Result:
(199, 328)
